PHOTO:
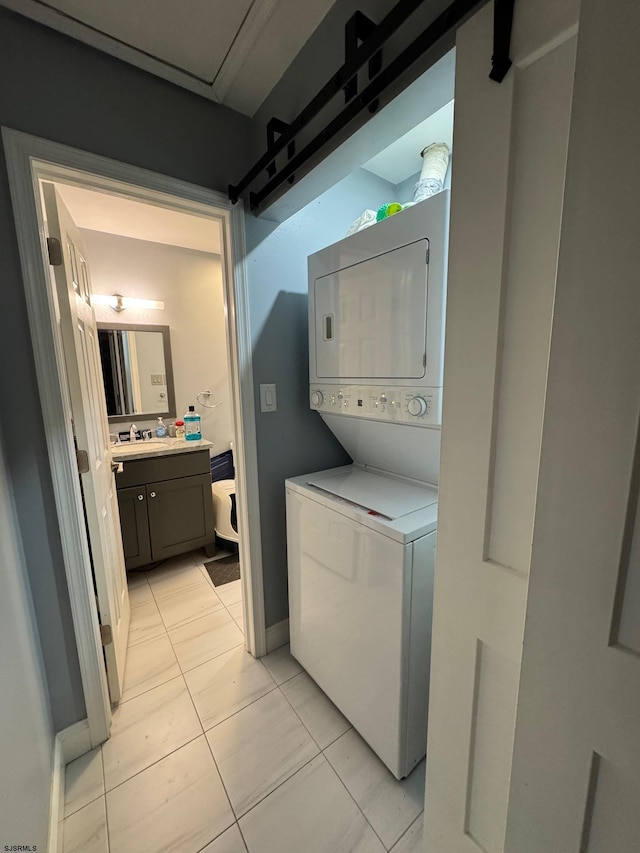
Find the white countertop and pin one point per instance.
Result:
(157, 447)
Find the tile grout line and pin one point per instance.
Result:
(239, 710)
(279, 785)
(182, 670)
(226, 793)
(153, 763)
(352, 797)
(106, 809)
(395, 843)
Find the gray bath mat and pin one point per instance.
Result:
(224, 571)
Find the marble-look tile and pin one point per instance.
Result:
(237, 613)
(310, 812)
(173, 577)
(229, 842)
(321, 717)
(149, 664)
(390, 806)
(83, 781)
(205, 638)
(188, 604)
(226, 684)
(281, 664)
(230, 593)
(145, 623)
(178, 804)
(147, 728)
(85, 831)
(413, 839)
(258, 748)
(139, 589)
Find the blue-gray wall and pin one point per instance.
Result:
(60, 89)
(26, 733)
(293, 440)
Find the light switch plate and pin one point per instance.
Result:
(268, 402)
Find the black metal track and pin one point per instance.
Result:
(393, 21)
(502, 21)
(454, 14)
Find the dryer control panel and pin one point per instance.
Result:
(417, 406)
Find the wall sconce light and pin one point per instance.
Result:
(119, 302)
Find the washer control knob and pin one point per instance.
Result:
(383, 398)
(417, 406)
(316, 398)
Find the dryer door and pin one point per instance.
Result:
(371, 318)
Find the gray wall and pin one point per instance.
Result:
(293, 440)
(59, 89)
(26, 734)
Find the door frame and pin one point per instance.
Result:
(29, 159)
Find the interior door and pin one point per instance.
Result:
(506, 206)
(576, 770)
(82, 360)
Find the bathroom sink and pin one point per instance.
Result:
(136, 447)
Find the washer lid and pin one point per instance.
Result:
(385, 495)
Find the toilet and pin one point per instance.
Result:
(224, 509)
(223, 490)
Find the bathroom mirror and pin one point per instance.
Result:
(137, 371)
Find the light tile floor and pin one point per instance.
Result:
(213, 751)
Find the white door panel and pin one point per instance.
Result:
(575, 784)
(506, 206)
(82, 360)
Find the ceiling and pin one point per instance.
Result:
(230, 51)
(114, 214)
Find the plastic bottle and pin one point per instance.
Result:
(161, 430)
(192, 425)
(180, 429)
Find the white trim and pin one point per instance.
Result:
(277, 635)
(75, 740)
(22, 182)
(56, 806)
(28, 159)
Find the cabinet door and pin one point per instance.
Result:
(134, 524)
(180, 515)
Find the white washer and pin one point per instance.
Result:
(361, 555)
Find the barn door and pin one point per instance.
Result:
(510, 146)
(576, 770)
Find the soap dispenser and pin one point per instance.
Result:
(161, 430)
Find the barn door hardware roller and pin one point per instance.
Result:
(364, 43)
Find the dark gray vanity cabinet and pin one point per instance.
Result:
(166, 506)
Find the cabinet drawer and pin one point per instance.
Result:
(180, 515)
(138, 472)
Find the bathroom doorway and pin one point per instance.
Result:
(106, 183)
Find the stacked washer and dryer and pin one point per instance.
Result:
(361, 538)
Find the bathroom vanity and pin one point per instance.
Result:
(164, 496)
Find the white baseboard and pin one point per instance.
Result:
(75, 740)
(68, 745)
(56, 806)
(277, 635)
